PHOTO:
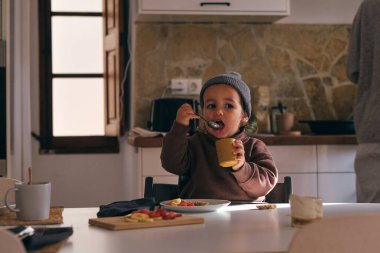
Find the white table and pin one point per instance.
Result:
(228, 230)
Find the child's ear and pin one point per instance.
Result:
(245, 118)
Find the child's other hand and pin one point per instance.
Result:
(239, 152)
(185, 113)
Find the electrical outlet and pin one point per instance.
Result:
(179, 86)
(194, 86)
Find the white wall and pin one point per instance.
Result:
(91, 180)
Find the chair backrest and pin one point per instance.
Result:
(348, 234)
(281, 192)
(159, 191)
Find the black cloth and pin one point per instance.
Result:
(121, 208)
(43, 236)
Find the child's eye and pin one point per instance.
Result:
(210, 106)
(228, 106)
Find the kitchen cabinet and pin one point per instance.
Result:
(210, 10)
(149, 164)
(336, 175)
(326, 171)
(300, 163)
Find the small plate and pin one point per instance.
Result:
(213, 205)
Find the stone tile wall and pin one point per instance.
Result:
(301, 66)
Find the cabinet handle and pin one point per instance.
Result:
(215, 3)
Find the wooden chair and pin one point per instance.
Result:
(281, 192)
(161, 192)
(348, 234)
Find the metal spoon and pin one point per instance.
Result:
(211, 124)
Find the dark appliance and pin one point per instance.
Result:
(331, 127)
(164, 112)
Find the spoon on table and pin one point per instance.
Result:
(211, 124)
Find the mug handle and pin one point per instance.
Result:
(6, 200)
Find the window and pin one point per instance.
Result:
(84, 85)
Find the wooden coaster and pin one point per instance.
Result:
(8, 218)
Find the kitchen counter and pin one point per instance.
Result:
(319, 165)
(267, 139)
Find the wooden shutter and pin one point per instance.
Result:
(113, 56)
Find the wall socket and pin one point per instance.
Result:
(194, 86)
(179, 86)
(182, 86)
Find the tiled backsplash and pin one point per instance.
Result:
(302, 66)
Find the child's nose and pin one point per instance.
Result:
(219, 111)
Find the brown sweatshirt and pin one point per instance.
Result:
(196, 155)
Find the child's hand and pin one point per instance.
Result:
(185, 113)
(239, 152)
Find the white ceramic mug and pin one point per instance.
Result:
(32, 201)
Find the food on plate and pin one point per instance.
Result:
(182, 202)
(145, 215)
(175, 202)
(266, 206)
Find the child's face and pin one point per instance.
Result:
(222, 104)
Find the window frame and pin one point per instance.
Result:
(71, 144)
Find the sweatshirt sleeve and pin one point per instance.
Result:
(259, 174)
(175, 156)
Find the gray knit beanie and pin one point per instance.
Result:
(232, 79)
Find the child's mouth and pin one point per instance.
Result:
(220, 123)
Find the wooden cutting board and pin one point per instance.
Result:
(117, 223)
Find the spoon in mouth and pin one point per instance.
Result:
(211, 124)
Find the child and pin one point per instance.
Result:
(226, 100)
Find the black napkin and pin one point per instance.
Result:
(121, 208)
(43, 236)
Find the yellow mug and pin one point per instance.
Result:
(224, 151)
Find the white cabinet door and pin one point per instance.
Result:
(151, 163)
(337, 187)
(336, 177)
(238, 7)
(295, 159)
(336, 158)
(303, 184)
(211, 11)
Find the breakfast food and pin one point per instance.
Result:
(266, 206)
(145, 215)
(182, 202)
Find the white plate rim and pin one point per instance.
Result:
(214, 205)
